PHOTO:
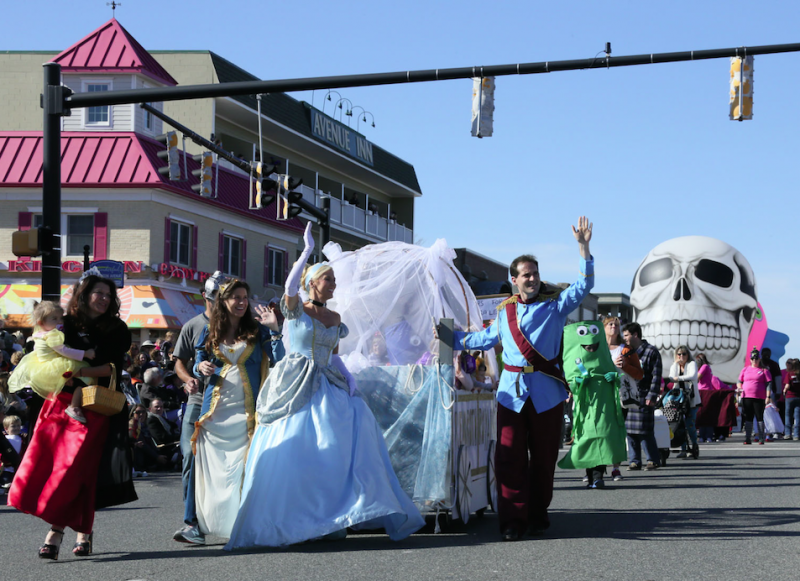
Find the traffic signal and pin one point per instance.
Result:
(33, 242)
(482, 106)
(173, 167)
(290, 198)
(206, 160)
(265, 186)
(741, 103)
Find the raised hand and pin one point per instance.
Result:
(267, 317)
(308, 238)
(584, 232)
(583, 235)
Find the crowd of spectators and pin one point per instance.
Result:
(150, 383)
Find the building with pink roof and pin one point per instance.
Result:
(169, 239)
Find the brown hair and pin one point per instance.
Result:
(78, 306)
(16, 357)
(520, 260)
(701, 359)
(219, 322)
(4, 383)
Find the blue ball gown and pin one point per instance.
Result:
(318, 462)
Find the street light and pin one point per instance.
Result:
(348, 111)
(328, 98)
(363, 116)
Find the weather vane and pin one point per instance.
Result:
(113, 7)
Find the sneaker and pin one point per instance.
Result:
(768, 439)
(616, 475)
(634, 466)
(761, 443)
(191, 535)
(586, 479)
(682, 454)
(651, 466)
(787, 437)
(746, 443)
(599, 484)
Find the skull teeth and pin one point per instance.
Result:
(695, 334)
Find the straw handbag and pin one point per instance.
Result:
(106, 401)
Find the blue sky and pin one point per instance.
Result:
(648, 152)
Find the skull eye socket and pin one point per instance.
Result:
(747, 284)
(582, 331)
(657, 270)
(714, 272)
(594, 330)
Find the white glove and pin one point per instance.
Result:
(293, 280)
(351, 381)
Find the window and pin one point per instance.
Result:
(78, 230)
(80, 233)
(231, 256)
(97, 115)
(275, 267)
(180, 244)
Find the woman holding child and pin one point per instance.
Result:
(72, 468)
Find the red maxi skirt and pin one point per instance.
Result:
(57, 479)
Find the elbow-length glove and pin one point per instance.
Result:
(293, 280)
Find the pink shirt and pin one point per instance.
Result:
(754, 382)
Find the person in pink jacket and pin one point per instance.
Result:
(752, 387)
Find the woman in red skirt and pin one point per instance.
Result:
(72, 469)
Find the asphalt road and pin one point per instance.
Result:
(733, 514)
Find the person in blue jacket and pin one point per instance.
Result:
(532, 387)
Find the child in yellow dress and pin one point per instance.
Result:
(52, 364)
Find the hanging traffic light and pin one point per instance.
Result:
(482, 106)
(741, 102)
(173, 167)
(290, 199)
(206, 160)
(265, 186)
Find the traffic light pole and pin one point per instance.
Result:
(53, 106)
(58, 101)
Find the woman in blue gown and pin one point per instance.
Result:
(317, 462)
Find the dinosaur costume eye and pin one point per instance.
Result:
(594, 330)
(582, 331)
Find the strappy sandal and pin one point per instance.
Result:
(84, 548)
(50, 552)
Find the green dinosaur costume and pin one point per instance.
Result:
(598, 425)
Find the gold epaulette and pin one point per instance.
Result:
(508, 301)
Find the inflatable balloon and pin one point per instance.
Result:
(699, 292)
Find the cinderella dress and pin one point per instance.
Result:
(318, 462)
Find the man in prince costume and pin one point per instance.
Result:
(532, 387)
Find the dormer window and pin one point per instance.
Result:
(97, 116)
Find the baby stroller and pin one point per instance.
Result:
(676, 405)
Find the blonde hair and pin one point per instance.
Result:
(9, 420)
(43, 310)
(16, 357)
(319, 270)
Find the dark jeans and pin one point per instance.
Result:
(753, 406)
(650, 448)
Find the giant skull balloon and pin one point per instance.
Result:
(699, 292)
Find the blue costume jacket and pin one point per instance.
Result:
(253, 368)
(542, 323)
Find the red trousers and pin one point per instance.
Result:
(525, 461)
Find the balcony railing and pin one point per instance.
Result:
(353, 218)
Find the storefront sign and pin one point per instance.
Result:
(166, 269)
(72, 266)
(113, 270)
(341, 137)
